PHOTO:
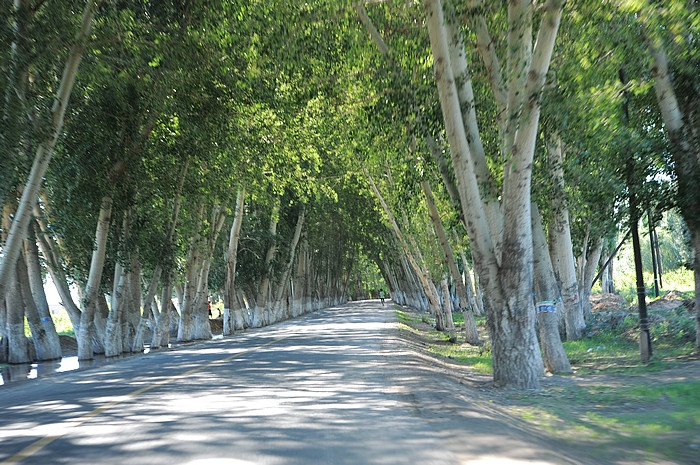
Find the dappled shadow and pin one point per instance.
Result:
(318, 396)
(335, 387)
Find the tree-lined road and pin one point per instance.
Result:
(334, 387)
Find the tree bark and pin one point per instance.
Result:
(548, 301)
(284, 281)
(681, 124)
(472, 335)
(46, 341)
(49, 250)
(161, 330)
(231, 257)
(425, 281)
(516, 358)
(264, 288)
(186, 328)
(563, 255)
(113, 332)
(18, 348)
(86, 332)
(447, 305)
(168, 245)
(589, 271)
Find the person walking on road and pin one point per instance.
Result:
(381, 295)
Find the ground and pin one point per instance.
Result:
(582, 415)
(643, 415)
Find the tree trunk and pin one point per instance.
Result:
(137, 345)
(186, 328)
(548, 301)
(132, 316)
(18, 231)
(188, 314)
(426, 283)
(562, 248)
(516, 358)
(589, 271)
(473, 292)
(680, 123)
(264, 288)
(202, 327)
(45, 347)
(86, 332)
(161, 329)
(18, 349)
(53, 343)
(284, 281)
(447, 305)
(472, 336)
(51, 258)
(231, 257)
(113, 331)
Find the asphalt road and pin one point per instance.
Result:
(333, 387)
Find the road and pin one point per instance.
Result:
(333, 387)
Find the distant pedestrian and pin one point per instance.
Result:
(381, 295)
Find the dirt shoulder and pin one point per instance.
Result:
(582, 419)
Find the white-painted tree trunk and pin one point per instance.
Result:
(547, 298)
(471, 333)
(113, 331)
(161, 330)
(507, 275)
(53, 343)
(42, 343)
(562, 247)
(231, 257)
(18, 347)
(86, 332)
(280, 304)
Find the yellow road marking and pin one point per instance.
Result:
(36, 446)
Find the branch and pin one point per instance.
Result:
(487, 51)
(374, 34)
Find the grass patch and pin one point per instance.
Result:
(652, 422)
(472, 356)
(477, 358)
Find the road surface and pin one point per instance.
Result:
(333, 387)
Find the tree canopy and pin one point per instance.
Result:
(329, 120)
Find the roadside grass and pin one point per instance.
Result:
(478, 358)
(645, 423)
(617, 409)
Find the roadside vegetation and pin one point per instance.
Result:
(613, 406)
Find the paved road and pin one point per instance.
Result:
(332, 387)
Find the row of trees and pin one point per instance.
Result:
(543, 151)
(253, 148)
(184, 153)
